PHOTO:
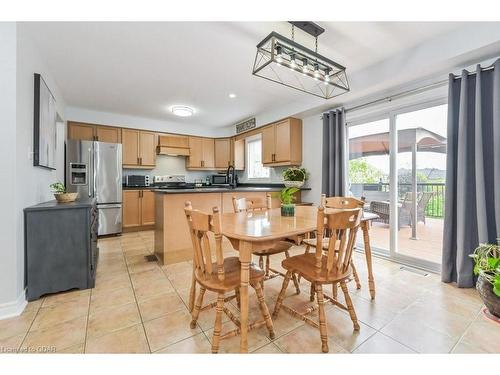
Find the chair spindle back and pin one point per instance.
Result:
(252, 204)
(343, 226)
(200, 224)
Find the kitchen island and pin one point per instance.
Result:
(172, 240)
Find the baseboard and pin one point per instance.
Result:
(14, 308)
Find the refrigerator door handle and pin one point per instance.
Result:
(88, 169)
(94, 171)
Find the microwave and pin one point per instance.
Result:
(135, 180)
(219, 179)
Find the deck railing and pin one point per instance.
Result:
(435, 207)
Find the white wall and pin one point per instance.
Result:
(312, 143)
(10, 288)
(24, 184)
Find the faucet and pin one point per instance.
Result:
(231, 177)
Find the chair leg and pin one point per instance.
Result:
(267, 266)
(311, 294)
(218, 323)
(322, 320)
(334, 290)
(261, 262)
(356, 276)
(238, 301)
(192, 293)
(294, 276)
(305, 252)
(197, 307)
(264, 310)
(281, 296)
(350, 306)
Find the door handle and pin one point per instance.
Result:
(138, 163)
(88, 171)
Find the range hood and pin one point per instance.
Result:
(174, 145)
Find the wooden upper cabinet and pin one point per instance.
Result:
(147, 149)
(147, 207)
(208, 153)
(131, 208)
(90, 132)
(201, 153)
(282, 143)
(195, 152)
(80, 131)
(238, 154)
(130, 147)
(223, 153)
(139, 149)
(268, 144)
(108, 134)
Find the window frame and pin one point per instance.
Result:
(248, 140)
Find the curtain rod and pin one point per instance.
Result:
(407, 92)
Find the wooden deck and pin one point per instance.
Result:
(427, 246)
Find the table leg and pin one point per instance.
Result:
(245, 250)
(368, 254)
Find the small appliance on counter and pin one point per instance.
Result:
(219, 179)
(135, 180)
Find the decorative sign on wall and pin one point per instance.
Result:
(45, 117)
(245, 125)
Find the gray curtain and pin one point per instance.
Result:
(334, 148)
(472, 200)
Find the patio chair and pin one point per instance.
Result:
(381, 208)
(422, 205)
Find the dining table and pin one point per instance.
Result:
(251, 232)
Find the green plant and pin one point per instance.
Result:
(287, 195)
(487, 264)
(58, 187)
(295, 174)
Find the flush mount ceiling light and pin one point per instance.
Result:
(182, 110)
(232, 95)
(289, 63)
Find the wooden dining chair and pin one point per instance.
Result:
(258, 204)
(320, 268)
(337, 203)
(221, 276)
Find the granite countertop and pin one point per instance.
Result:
(208, 189)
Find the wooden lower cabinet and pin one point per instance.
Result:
(138, 210)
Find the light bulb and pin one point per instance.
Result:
(279, 58)
(316, 72)
(304, 66)
(293, 64)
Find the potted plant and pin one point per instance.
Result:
(60, 193)
(294, 177)
(487, 268)
(287, 197)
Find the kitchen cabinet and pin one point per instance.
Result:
(139, 149)
(282, 143)
(176, 145)
(138, 209)
(238, 153)
(91, 132)
(222, 153)
(201, 153)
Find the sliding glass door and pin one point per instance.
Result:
(397, 162)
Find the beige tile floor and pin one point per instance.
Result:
(140, 307)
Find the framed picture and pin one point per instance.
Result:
(45, 117)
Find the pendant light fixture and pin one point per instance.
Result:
(289, 63)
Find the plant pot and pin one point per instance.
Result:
(297, 184)
(287, 210)
(490, 299)
(65, 197)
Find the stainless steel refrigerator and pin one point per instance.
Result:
(94, 169)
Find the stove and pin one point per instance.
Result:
(172, 182)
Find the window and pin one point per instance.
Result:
(254, 159)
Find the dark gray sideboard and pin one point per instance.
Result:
(60, 247)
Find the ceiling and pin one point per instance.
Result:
(142, 69)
